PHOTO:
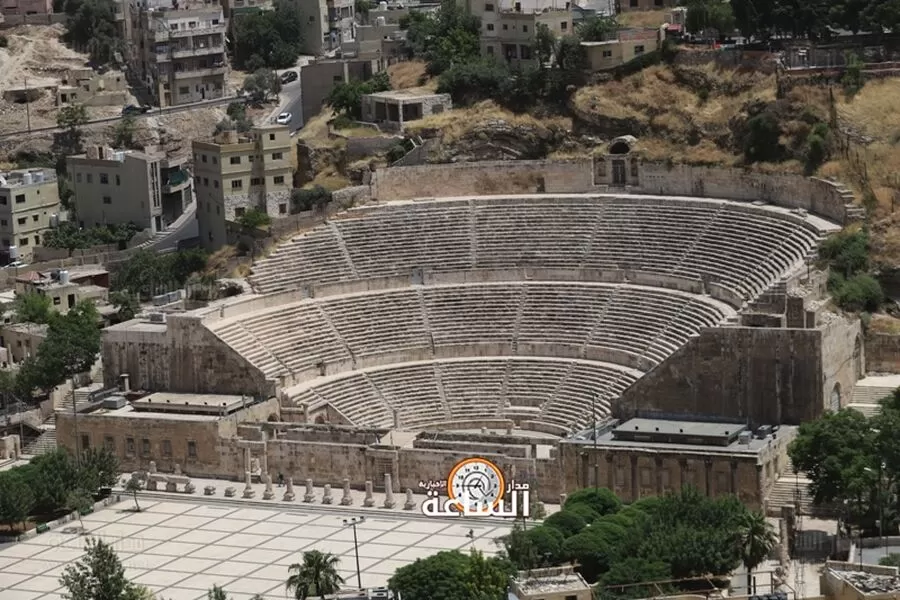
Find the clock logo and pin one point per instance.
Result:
(477, 480)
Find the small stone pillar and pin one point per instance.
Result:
(410, 503)
(189, 488)
(151, 485)
(347, 499)
(264, 457)
(326, 495)
(562, 500)
(171, 486)
(389, 501)
(269, 493)
(248, 489)
(247, 460)
(369, 501)
(310, 495)
(152, 468)
(177, 469)
(289, 491)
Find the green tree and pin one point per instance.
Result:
(133, 486)
(72, 117)
(761, 143)
(452, 575)
(70, 141)
(346, 98)
(32, 307)
(757, 539)
(846, 252)
(704, 16)
(124, 132)
(97, 575)
(602, 501)
(566, 522)
(216, 593)
(317, 574)
(596, 29)
(269, 39)
(146, 273)
(81, 502)
(891, 560)
(51, 477)
(93, 27)
(254, 219)
(446, 37)
(97, 468)
(262, 84)
(71, 346)
(16, 498)
(127, 305)
(315, 198)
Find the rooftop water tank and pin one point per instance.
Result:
(64, 277)
(37, 176)
(26, 178)
(744, 438)
(382, 5)
(380, 22)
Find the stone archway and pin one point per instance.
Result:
(834, 402)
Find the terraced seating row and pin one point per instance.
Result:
(561, 392)
(643, 322)
(741, 247)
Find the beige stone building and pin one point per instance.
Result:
(509, 33)
(67, 288)
(327, 24)
(857, 581)
(21, 340)
(394, 108)
(626, 45)
(319, 77)
(169, 429)
(178, 54)
(236, 172)
(150, 189)
(85, 86)
(26, 7)
(552, 583)
(642, 5)
(29, 205)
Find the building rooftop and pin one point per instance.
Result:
(546, 581)
(138, 326)
(406, 94)
(24, 177)
(212, 404)
(868, 580)
(690, 429)
(32, 328)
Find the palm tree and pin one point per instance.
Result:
(216, 593)
(316, 575)
(756, 537)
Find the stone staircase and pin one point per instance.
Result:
(869, 391)
(785, 490)
(46, 442)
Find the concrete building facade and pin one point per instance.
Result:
(326, 24)
(84, 86)
(234, 173)
(150, 190)
(318, 78)
(178, 54)
(394, 108)
(21, 340)
(623, 46)
(26, 7)
(509, 34)
(29, 205)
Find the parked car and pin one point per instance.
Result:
(289, 76)
(284, 118)
(131, 109)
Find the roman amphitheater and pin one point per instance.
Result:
(592, 321)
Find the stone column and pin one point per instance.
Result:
(388, 492)
(152, 468)
(369, 501)
(247, 458)
(410, 503)
(326, 495)
(289, 491)
(310, 495)
(264, 457)
(248, 489)
(347, 499)
(269, 493)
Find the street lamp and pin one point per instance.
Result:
(353, 522)
(881, 493)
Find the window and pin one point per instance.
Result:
(490, 26)
(256, 181)
(638, 50)
(206, 181)
(524, 28)
(488, 7)
(271, 138)
(505, 27)
(56, 301)
(85, 441)
(184, 90)
(215, 160)
(239, 212)
(118, 180)
(633, 3)
(490, 49)
(109, 443)
(23, 241)
(20, 198)
(107, 200)
(5, 242)
(276, 156)
(77, 177)
(104, 178)
(192, 449)
(564, 25)
(90, 177)
(145, 448)
(250, 158)
(37, 240)
(216, 183)
(279, 179)
(3, 222)
(203, 157)
(282, 209)
(235, 160)
(34, 218)
(167, 448)
(525, 52)
(607, 54)
(237, 184)
(22, 220)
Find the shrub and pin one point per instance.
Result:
(818, 144)
(861, 292)
(601, 501)
(761, 142)
(566, 522)
(4, 41)
(846, 252)
(315, 198)
(396, 152)
(468, 83)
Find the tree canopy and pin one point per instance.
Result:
(452, 575)
(316, 576)
(270, 39)
(32, 307)
(92, 27)
(68, 235)
(346, 98)
(146, 273)
(99, 574)
(258, 86)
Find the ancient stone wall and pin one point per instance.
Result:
(184, 356)
(843, 359)
(764, 376)
(882, 353)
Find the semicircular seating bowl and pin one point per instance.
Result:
(535, 352)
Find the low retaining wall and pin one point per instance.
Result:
(883, 353)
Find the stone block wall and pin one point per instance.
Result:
(762, 376)
(843, 359)
(882, 353)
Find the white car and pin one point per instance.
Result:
(284, 118)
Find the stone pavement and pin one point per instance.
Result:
(181, 545)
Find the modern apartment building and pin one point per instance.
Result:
(509, 33)
(178, 53)
(26, 7)
(124, 186)
(29, 205)
(327, 23)
(235, 172)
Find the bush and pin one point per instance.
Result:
(861, 292)
(4, 41)
(315, 198)
(761, 143)
(846, 252)
(468, 83)
(601, 501)
(818, 146)
(254, 219)
(566, 522)
(272, 39)
(396, 152)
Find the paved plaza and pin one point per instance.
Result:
(180, 549)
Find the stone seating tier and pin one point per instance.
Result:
(560, 392)
(742, 247)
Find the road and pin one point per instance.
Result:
(153, 113)
(289, 99)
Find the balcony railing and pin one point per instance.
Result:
(187, 52)
(200, 72)
(177, 181)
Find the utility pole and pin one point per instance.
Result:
(27, 106)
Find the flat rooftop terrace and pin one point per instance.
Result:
(213, 404)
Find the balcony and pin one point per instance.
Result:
(188, 52)
(178, 180)
(208, 30)
(191, 73)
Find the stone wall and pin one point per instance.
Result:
(818, 196)
(843, 359)
(762, 376)
(182, 356)
(882, 353)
